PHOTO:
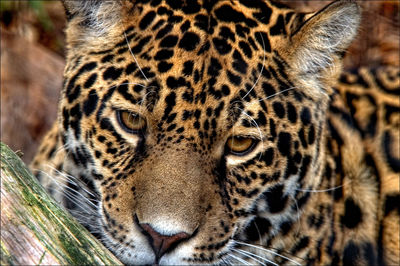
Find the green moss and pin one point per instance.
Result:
(41, 258)
(6, 257)
(58, 231)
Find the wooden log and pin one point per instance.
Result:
(35, 229)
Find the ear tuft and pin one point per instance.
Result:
(321, 40)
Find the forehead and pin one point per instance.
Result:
(195, 54)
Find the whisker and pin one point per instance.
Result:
(323, 190)
(55, 181)
(253, 256)
(128, 83)
(262, 69)
(82, 216)
(130, 50)
(253, 121)
(266, 98)
(267, 250)
(65, 146)
(141, 102)
(79, 196)
(239, 259)
(275, 94)
(63, 190)
(77, 182)
(70, 193)
(258, 232)
(225, 261)
(298, 214)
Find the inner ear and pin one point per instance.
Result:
(316, 44)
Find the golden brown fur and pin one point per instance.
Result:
(249, 147)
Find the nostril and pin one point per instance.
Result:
(162, 243)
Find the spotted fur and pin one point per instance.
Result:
(320, 183)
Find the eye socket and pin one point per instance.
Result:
(240, 146)
(131, 122)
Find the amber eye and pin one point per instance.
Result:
(131, 122)
(240, 145)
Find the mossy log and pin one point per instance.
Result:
(35, 229)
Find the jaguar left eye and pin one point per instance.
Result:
(131, 122)
(240, 146)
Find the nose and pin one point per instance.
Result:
(162, 243)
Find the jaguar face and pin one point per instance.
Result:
(200, 126)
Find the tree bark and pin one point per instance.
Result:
(34, 229)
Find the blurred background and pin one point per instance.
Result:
(32, 60)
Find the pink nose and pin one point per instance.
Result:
(162, 243)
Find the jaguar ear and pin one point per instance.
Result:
(91, 20)
(320, 41)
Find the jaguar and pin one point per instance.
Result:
(225, 132)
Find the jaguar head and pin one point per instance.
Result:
(199, 124)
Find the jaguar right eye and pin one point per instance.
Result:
(240, 146)
(131, 122)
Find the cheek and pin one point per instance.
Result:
(117, 199)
